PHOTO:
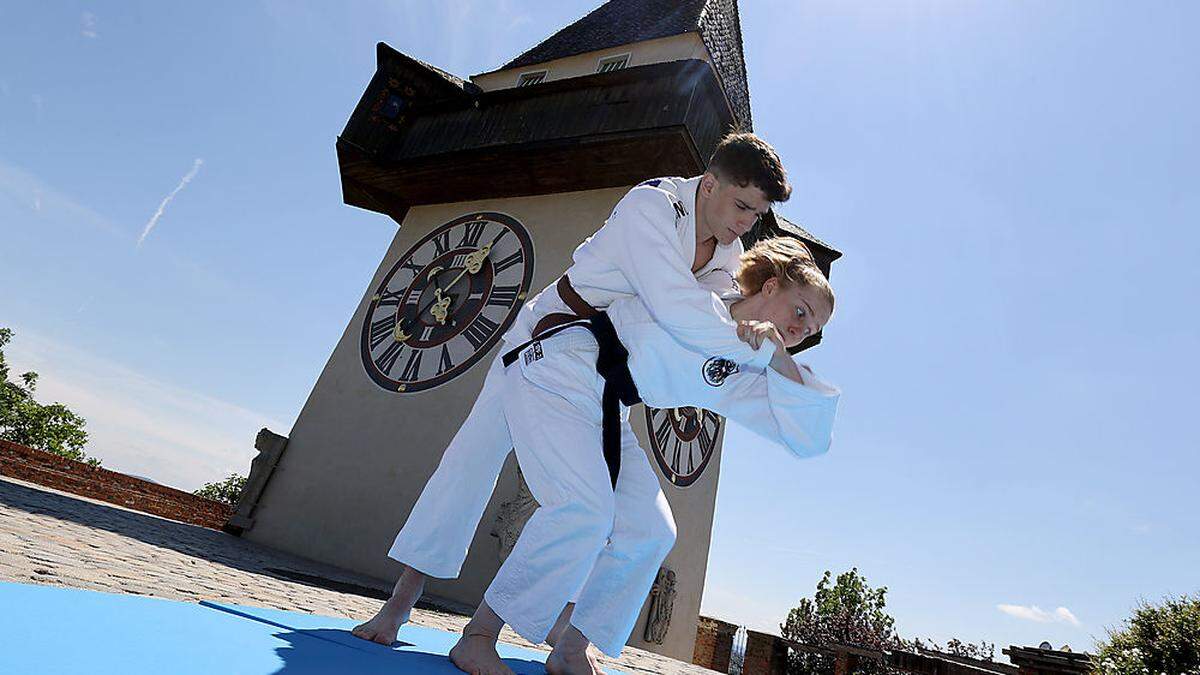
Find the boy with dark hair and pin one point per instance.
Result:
(663, 238)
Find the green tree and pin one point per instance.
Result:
(52, 428)
(228, 490)
(846, 611)
(1156, 639)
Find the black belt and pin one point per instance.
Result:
(613, 365)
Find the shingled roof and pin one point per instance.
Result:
(621, 22)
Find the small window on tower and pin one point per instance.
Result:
(527, 79)
(611, 63)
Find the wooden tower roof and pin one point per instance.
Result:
(622, 22)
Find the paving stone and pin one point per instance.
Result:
(53, 538)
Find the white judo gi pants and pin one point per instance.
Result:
(588, 542)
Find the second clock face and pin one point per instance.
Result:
(446, 302)
(682, 441)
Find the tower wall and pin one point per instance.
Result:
(359, 455)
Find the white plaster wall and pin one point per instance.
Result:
(661, 50)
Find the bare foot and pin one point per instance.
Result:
(590, 656)
(571, 663)
(476, 654)
(382, 627)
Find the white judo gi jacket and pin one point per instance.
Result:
(668, 375)
(645, 249)
(588, 542)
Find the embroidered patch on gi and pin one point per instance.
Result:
(715, 370)
(533, 353)
(653, 182)
(680, 210)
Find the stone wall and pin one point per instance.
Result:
(68, 475)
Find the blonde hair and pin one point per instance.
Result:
(785, 258)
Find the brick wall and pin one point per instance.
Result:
(766, 654)
(714, 644)
(68, 475)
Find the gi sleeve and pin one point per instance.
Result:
(799, 417)
(642, 230)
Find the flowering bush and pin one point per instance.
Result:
(1162, 640)
(847, 611)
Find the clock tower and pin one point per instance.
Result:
(493, 181)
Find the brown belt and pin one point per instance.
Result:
(580, 307)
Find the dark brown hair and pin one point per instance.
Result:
(744, 159)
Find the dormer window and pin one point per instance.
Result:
(527, 79)
(611, 63)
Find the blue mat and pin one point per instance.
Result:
(48, 629)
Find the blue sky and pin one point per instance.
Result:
(1013, 184)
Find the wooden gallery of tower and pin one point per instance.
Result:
(533, 155)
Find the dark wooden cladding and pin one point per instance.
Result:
(659, 96)
(563, 166)
(602, 130)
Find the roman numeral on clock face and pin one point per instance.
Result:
(501, 265)
(503, 296)
(663, 431)
(441, 243)
(472, 231)
(387, 359)
(480, 330)
(412, 266)
(445, 363)
(393, 298)
(412, 369)
(706, 438)
(382, 330)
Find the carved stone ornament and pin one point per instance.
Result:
(662, 603)
(514, 513)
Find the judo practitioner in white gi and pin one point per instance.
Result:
(661, 237)
(602, 545)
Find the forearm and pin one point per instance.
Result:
(783, 364)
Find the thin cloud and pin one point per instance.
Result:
(87, 27)
(187, 178)
(1035, 613)
(25, 188)
(139, 424)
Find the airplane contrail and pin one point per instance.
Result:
(187, 178)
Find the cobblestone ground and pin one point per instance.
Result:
(54, 538)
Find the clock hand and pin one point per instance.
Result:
(474, 263)
(440, 305)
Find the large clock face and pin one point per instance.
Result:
(682, 440)
(446, 301)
